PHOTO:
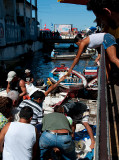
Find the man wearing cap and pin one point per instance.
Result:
(15, 83)
(28, 78)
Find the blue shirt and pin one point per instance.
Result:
(52, 54)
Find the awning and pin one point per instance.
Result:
(83, 2)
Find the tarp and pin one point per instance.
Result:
(82, 2)
(93, 28)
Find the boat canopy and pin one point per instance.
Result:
(82, 2)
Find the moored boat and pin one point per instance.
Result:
(87, 54)
(93, 85)
(63, 56)
(73, 83)
(91, 72)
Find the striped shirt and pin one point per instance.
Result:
(37, 110)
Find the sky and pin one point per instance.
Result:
(53, 12)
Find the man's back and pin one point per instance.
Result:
(37, 110)
(55, 121)
(75, 110)
(19, 141)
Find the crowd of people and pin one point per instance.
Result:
(25, 131)
(23, 124)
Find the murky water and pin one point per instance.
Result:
(41, 65)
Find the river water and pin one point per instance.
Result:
(40, 65)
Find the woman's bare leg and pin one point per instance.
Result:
(108, 67)
(111, 52)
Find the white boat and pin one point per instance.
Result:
(87, 54)
(63, 56)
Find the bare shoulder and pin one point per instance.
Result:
(5, 128)
(86, 40)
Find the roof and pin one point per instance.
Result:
(82, 2)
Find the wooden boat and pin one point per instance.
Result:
(73, 83)
(63, 56)
(90, 72)
(93, 85)
(92, 88)
(87, 54)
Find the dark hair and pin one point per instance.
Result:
(58, 109)
(78, 37)
(62, 64)
(38, 94)
(26, 113)
(98, 5)
(5, 103)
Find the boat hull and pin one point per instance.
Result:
(71, 56)
(60, 57)
(91, 72)
(73, 83)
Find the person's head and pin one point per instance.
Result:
(14, 95)
(5, 106)
(27, 71)
(59, 109)
(105, 10)
(62, 65)
(78, 39)
(12, 76)
(38, 96)
(26, 113)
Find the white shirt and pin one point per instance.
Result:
(96, 40)
(19, 141)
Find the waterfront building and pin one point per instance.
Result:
(18, 27)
